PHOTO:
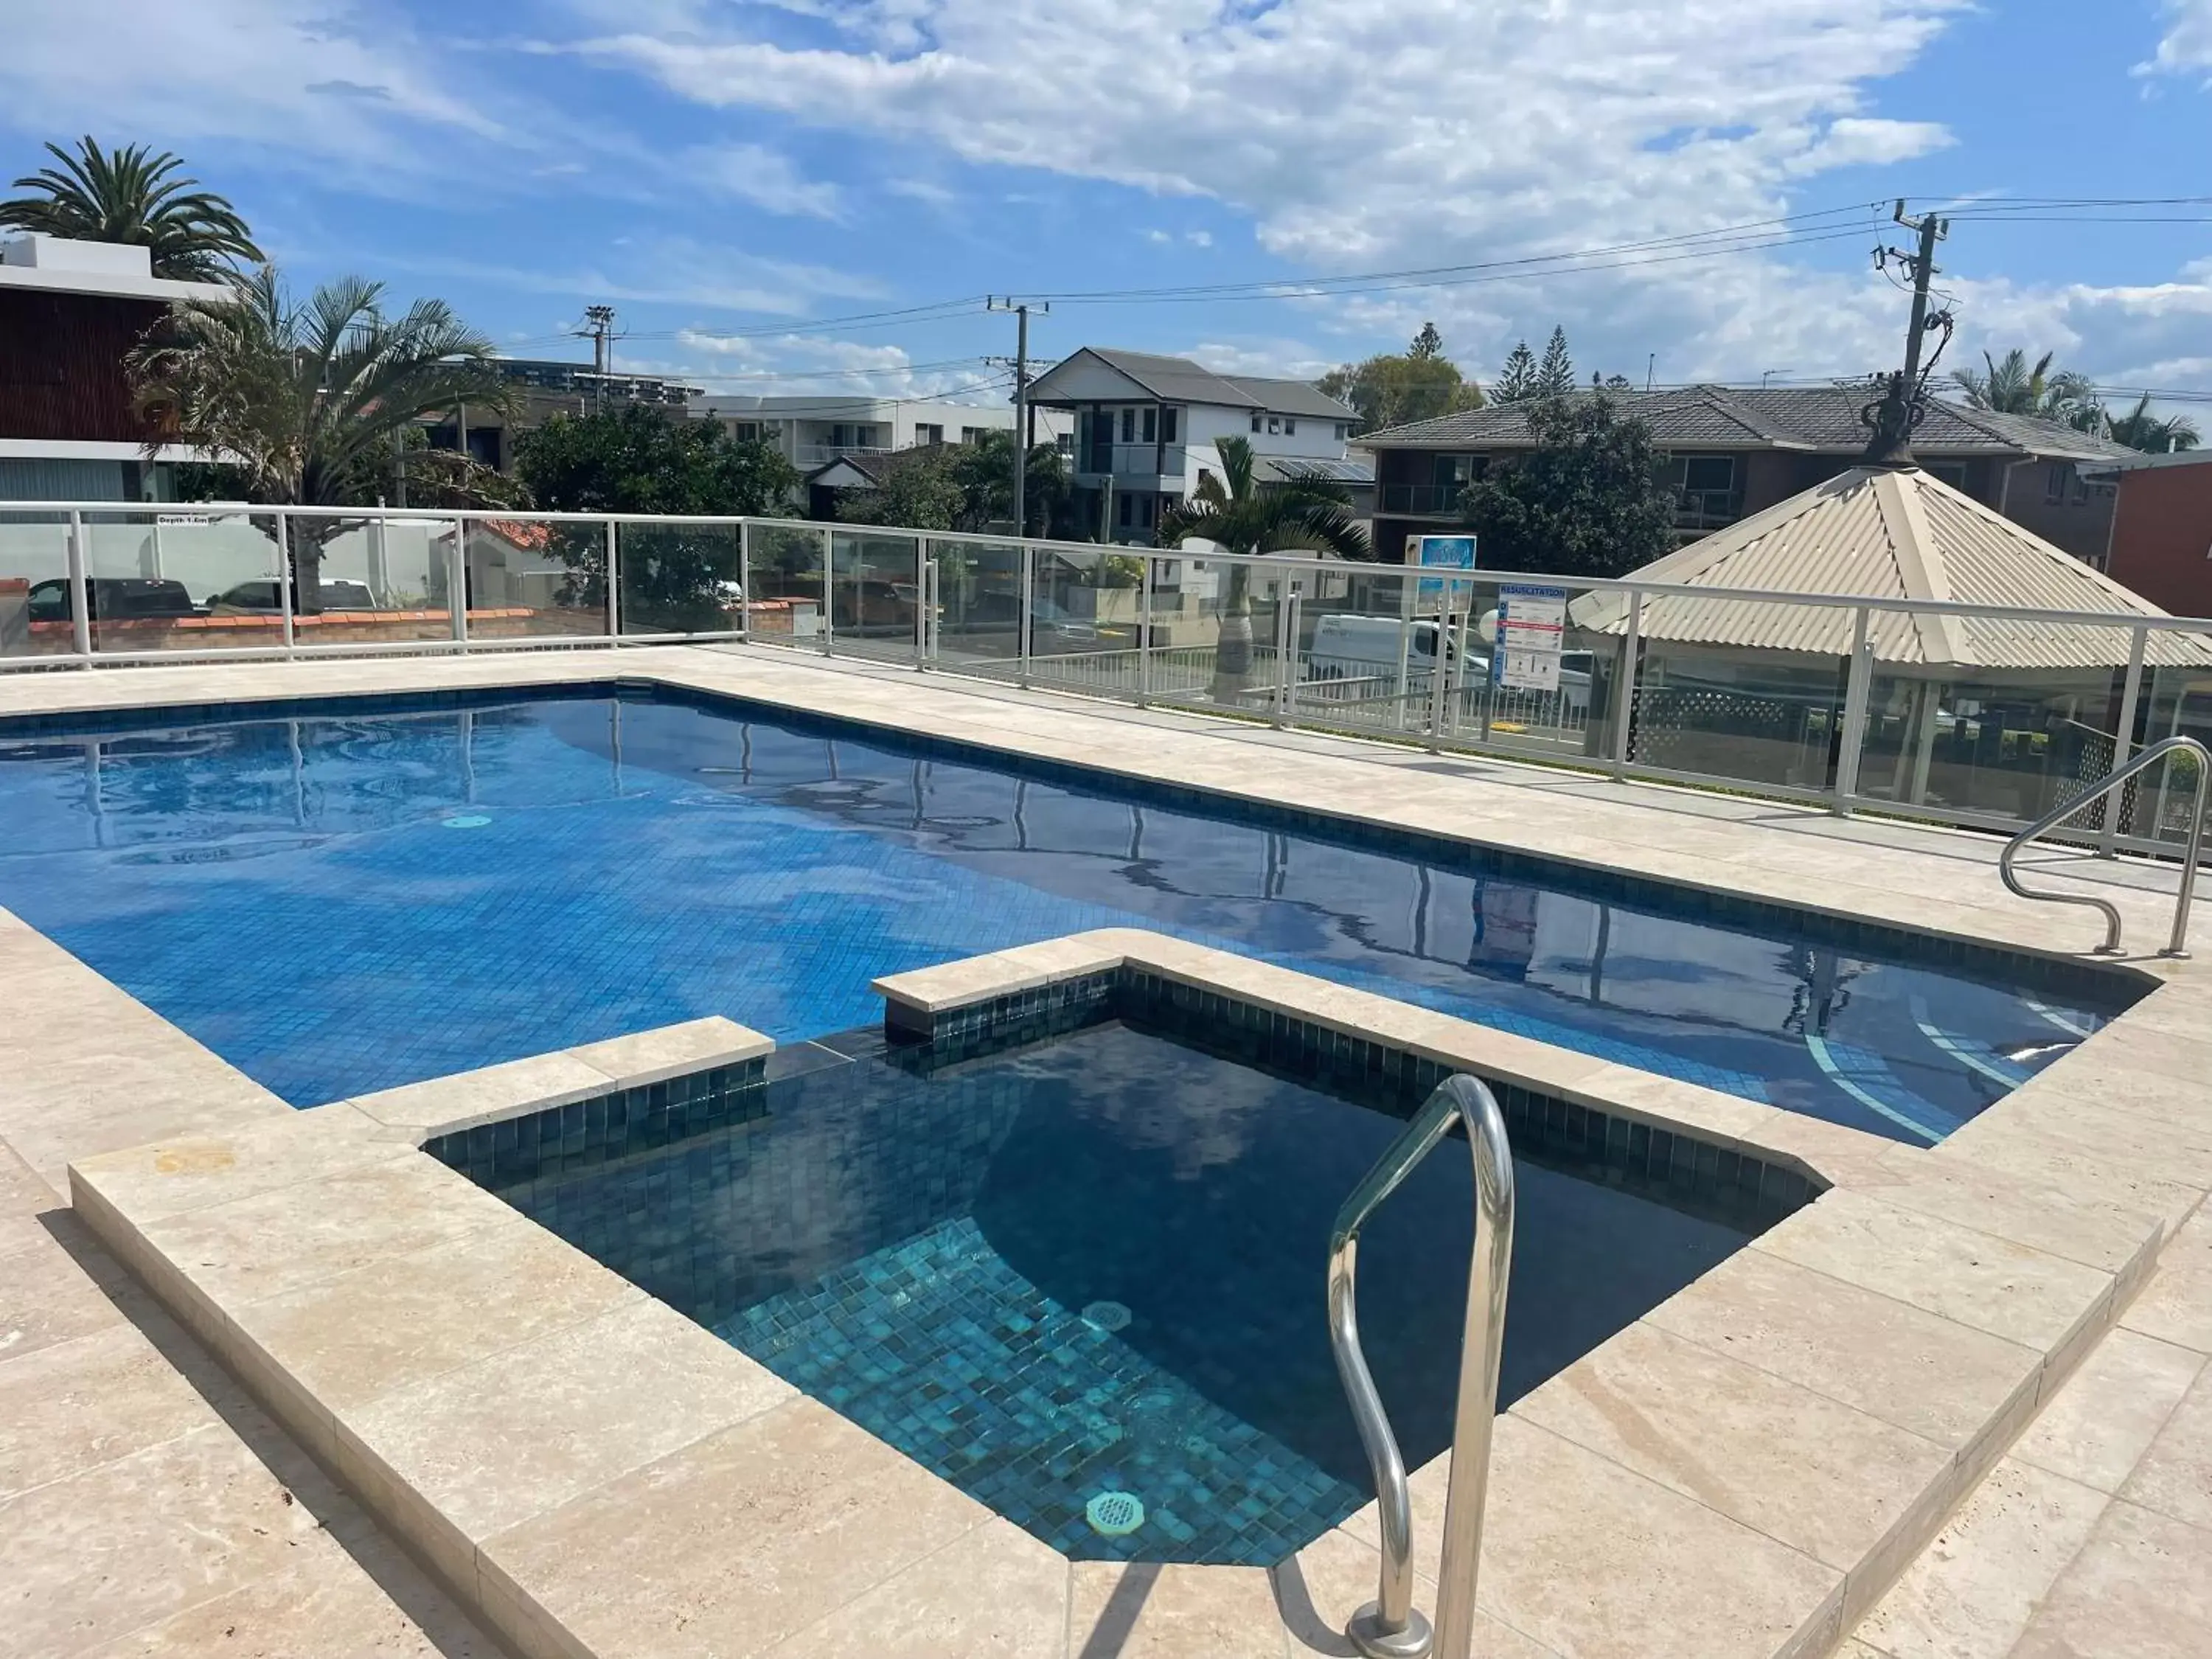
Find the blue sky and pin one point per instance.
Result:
(734, 177)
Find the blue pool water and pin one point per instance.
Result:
(347, 902)
(1095, 1265)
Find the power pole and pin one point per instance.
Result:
(1022, 434)
(1899, 411)
(599, 329)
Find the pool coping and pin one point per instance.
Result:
(536, 1417)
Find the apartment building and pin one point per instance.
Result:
(810, 432)
(1146, 429)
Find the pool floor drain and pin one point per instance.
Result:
(1106, 1315)
(1115, 1514)
(465, 820)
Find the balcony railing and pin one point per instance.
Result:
(1131, 460)
(818, 454)
(1421, 501)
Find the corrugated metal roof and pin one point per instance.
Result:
(1179, 381)
(1819, 418)
(1901, 534)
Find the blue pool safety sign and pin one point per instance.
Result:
(1532, 630)
(1445, 552)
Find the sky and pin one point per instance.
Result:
(814, 196)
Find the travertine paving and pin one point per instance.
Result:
(2108, 1494)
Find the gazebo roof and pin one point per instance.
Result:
(1891, 533)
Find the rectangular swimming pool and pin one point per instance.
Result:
(345, 897)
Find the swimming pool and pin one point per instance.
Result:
(351, 897)
(1091, 1267)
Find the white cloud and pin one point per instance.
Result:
(1854, 141)
(1159, 237)
(2186, 46)
(664, 271)
(1199, 237)
(821, 366)
(765, 178)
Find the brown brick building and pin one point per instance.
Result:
(2161, 533)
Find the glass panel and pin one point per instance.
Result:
(979, 603)
(375, 580)
(34, 596)
(787, 564)
(2028, 721)
(678, 578)
(1083, 617)
(1746, 714)
(1214, 631)
(184, 581)
(875, 601)
(528, 578)
(2176, 702)
(1524, 678)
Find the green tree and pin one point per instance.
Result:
(1239, 515)
(1587, 500)
(2009, 385)
(675, 578)
(1555, 375)
(132, 195)
(2158, 434)
(1392, 389)
(967, 487)
(308, 404)
(1516, 381)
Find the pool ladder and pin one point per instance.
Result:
(2177, 943)
(1390, 1627)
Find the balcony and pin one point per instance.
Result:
(806, 455)
(1419, 501)
(1131, 462)
(1702, 510)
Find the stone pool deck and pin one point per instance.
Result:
(142, 1496)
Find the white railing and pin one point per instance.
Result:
(1328, 644)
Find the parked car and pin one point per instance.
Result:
(114, 598)
(266, 597)
(1370, 648)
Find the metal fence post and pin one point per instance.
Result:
(287, 590)
(1022, 631)
(828, 632)
(1286, 645)
(746, 579)
(1624, 691)
(457, 589)
(1855, 692)
(2123, 737)
(80, 592)
(1145, 631)
(920, 603)
(614, 584)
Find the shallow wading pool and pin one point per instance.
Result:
(342, 897)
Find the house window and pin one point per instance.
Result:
(1256, 423)
(1952, 473)
(1290, 426)
(1455, 471)
(1275, 424)
(2054, 485)
(1128, 511)
(746, 432)
(925, 433)
(1343, 430)
(1064, 443)
(1128, 430)
(970, 434)
(1151, 426)
(1170, 423)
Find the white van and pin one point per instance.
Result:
(1369, 648)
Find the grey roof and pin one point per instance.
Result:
(1809, 418)
(1179, 381)
(1898, 534)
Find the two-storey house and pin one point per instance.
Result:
(1146, 430)
(1732, 450)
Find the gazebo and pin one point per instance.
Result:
(1978, 714)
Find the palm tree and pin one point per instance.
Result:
(2011, 388)
(307, 404)
(130, 195)
(1238, 515)
(2140, 430)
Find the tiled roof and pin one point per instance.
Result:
(1290, 398)
(1815, 418)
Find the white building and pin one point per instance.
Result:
(812, 431)
(1146, 427)
(70, 312)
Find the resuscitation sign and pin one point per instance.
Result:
(1532, 630)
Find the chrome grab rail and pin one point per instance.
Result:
(1390, 1627)
(2177, 944)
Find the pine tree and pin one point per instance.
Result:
(1516, 381)
(1427, 344)
(1555, 378)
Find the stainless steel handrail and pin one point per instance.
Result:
(2177, 943)
(1390, 1627)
